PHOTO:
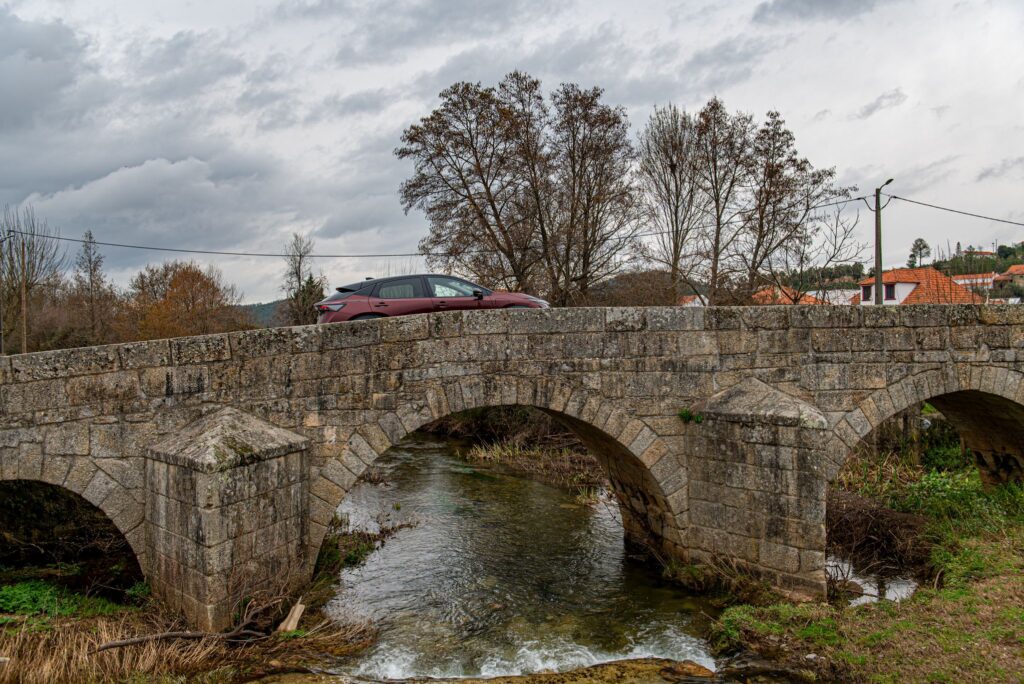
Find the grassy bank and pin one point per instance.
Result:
(966, 543)
(51, 633)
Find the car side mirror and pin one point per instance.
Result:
(478, 294)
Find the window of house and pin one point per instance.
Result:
(890, 291)
(865, 293)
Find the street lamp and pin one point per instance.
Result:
(878, 242)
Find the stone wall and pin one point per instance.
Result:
(226, 502)
(84, 418)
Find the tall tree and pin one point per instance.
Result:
(723, 171)
(467, 182)
(91, 287)
(919, 251)
(301, 288)
(521, 192)
(785, 196)
(31, 259)
(594, 194)
(671, 201)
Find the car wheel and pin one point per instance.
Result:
(365, 317)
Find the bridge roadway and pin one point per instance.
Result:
(223, 458)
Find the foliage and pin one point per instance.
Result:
(688, 416)
(919, 251)
(180, 298)
(42, 598)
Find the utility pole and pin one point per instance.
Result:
(24, 301)
(878, 244)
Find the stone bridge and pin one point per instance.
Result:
(223, 458)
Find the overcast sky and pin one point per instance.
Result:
(228, 125)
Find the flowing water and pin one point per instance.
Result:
(500, 575)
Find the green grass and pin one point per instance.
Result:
(965, 623)
(42, 598)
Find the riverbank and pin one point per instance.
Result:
(965, 543)
(50, 635)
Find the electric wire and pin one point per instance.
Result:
(955, 211)
(183, 250)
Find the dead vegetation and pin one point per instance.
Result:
(68, 650)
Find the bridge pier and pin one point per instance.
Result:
(758, 483)
(226, 502)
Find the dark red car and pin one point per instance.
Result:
(413, 294)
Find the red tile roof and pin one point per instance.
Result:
(1015, 270)
(783, 295)
(932, 287)
(686, 299)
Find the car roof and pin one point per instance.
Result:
(363, 284)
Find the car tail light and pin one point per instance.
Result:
(324, 308)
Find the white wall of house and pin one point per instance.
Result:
(903, 291)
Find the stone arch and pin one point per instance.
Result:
(985, 403)
(649, 480)
(84, 477)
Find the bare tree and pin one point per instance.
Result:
(827, 240)
(522, 193)
(724, 145)
(671, 201)
(467, 182)
(302, 289)
(594, 199)
(785, 193)
(31, 258)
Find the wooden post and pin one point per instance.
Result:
(24, 301)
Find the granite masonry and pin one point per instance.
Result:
(223, 458)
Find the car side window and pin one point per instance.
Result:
(450, 287)
(406, 288)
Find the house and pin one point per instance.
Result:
(1013, 276)
(916, 286)
(838, 297)
(689, 300)
(774, 294)
(976, 281)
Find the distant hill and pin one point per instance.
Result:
(264, 314)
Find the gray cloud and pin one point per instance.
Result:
(887, 100)
(375, 32)
(41, 63)
(236, 134)
(774, 11)
(182, 66)
(1003, 168)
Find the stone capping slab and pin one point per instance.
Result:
(753, 400)
(226, 439)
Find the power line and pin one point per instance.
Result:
(956, 211)
(182, 250)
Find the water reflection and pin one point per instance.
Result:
(872, 586)
(501, 575)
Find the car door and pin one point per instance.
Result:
(401, 297)
(452, 294)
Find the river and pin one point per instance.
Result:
(500, 575)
